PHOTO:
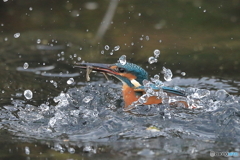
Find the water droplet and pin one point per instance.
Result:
(5, 0)
(123, 60)
(152, 60)
(25, 65)
(87, 99)
(54, 83)
(30, 8)
(147, 38)
(139, 14)
(204, 10)
(156, 77)
(28, 94)
(156, 53)
(116, 48)
(107, 47)
(52, 122)
(16, 35)
(27, 150)
(183, 74)
(167, 74)
(70, 81)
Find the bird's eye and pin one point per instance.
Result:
(121, 70)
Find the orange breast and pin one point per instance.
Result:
(129, 97)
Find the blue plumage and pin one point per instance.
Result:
(141, 75)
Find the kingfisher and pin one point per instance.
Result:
(132, 77)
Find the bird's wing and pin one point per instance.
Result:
(165, 89)
(173, 91)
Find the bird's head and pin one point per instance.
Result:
(129, 73)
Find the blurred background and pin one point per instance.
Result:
(41, 40)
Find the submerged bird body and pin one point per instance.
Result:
(132, 77)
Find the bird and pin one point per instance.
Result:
(132, 77)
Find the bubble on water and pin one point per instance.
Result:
(28, 94)
(122, 60)
(71, 150)
(221, 94)
(5, 0)
(116, 48)
(107, 47)
(102, 52)
(27, 150)
(58, 147)
(89, 149)
(183, 73)
(79, 58)
(54, 83)
(167, 74)
(156, 53)
(25, 65)
(152, 60)
(30, 8)
(70, 81)
(111, 53)
(16, 35)
(87, 99)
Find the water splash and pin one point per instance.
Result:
(183, 73)
(107, 47)
(116, 48)
(96, 120)
(167, 74)
(70, 81)
(16, 35)
(152, 60)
